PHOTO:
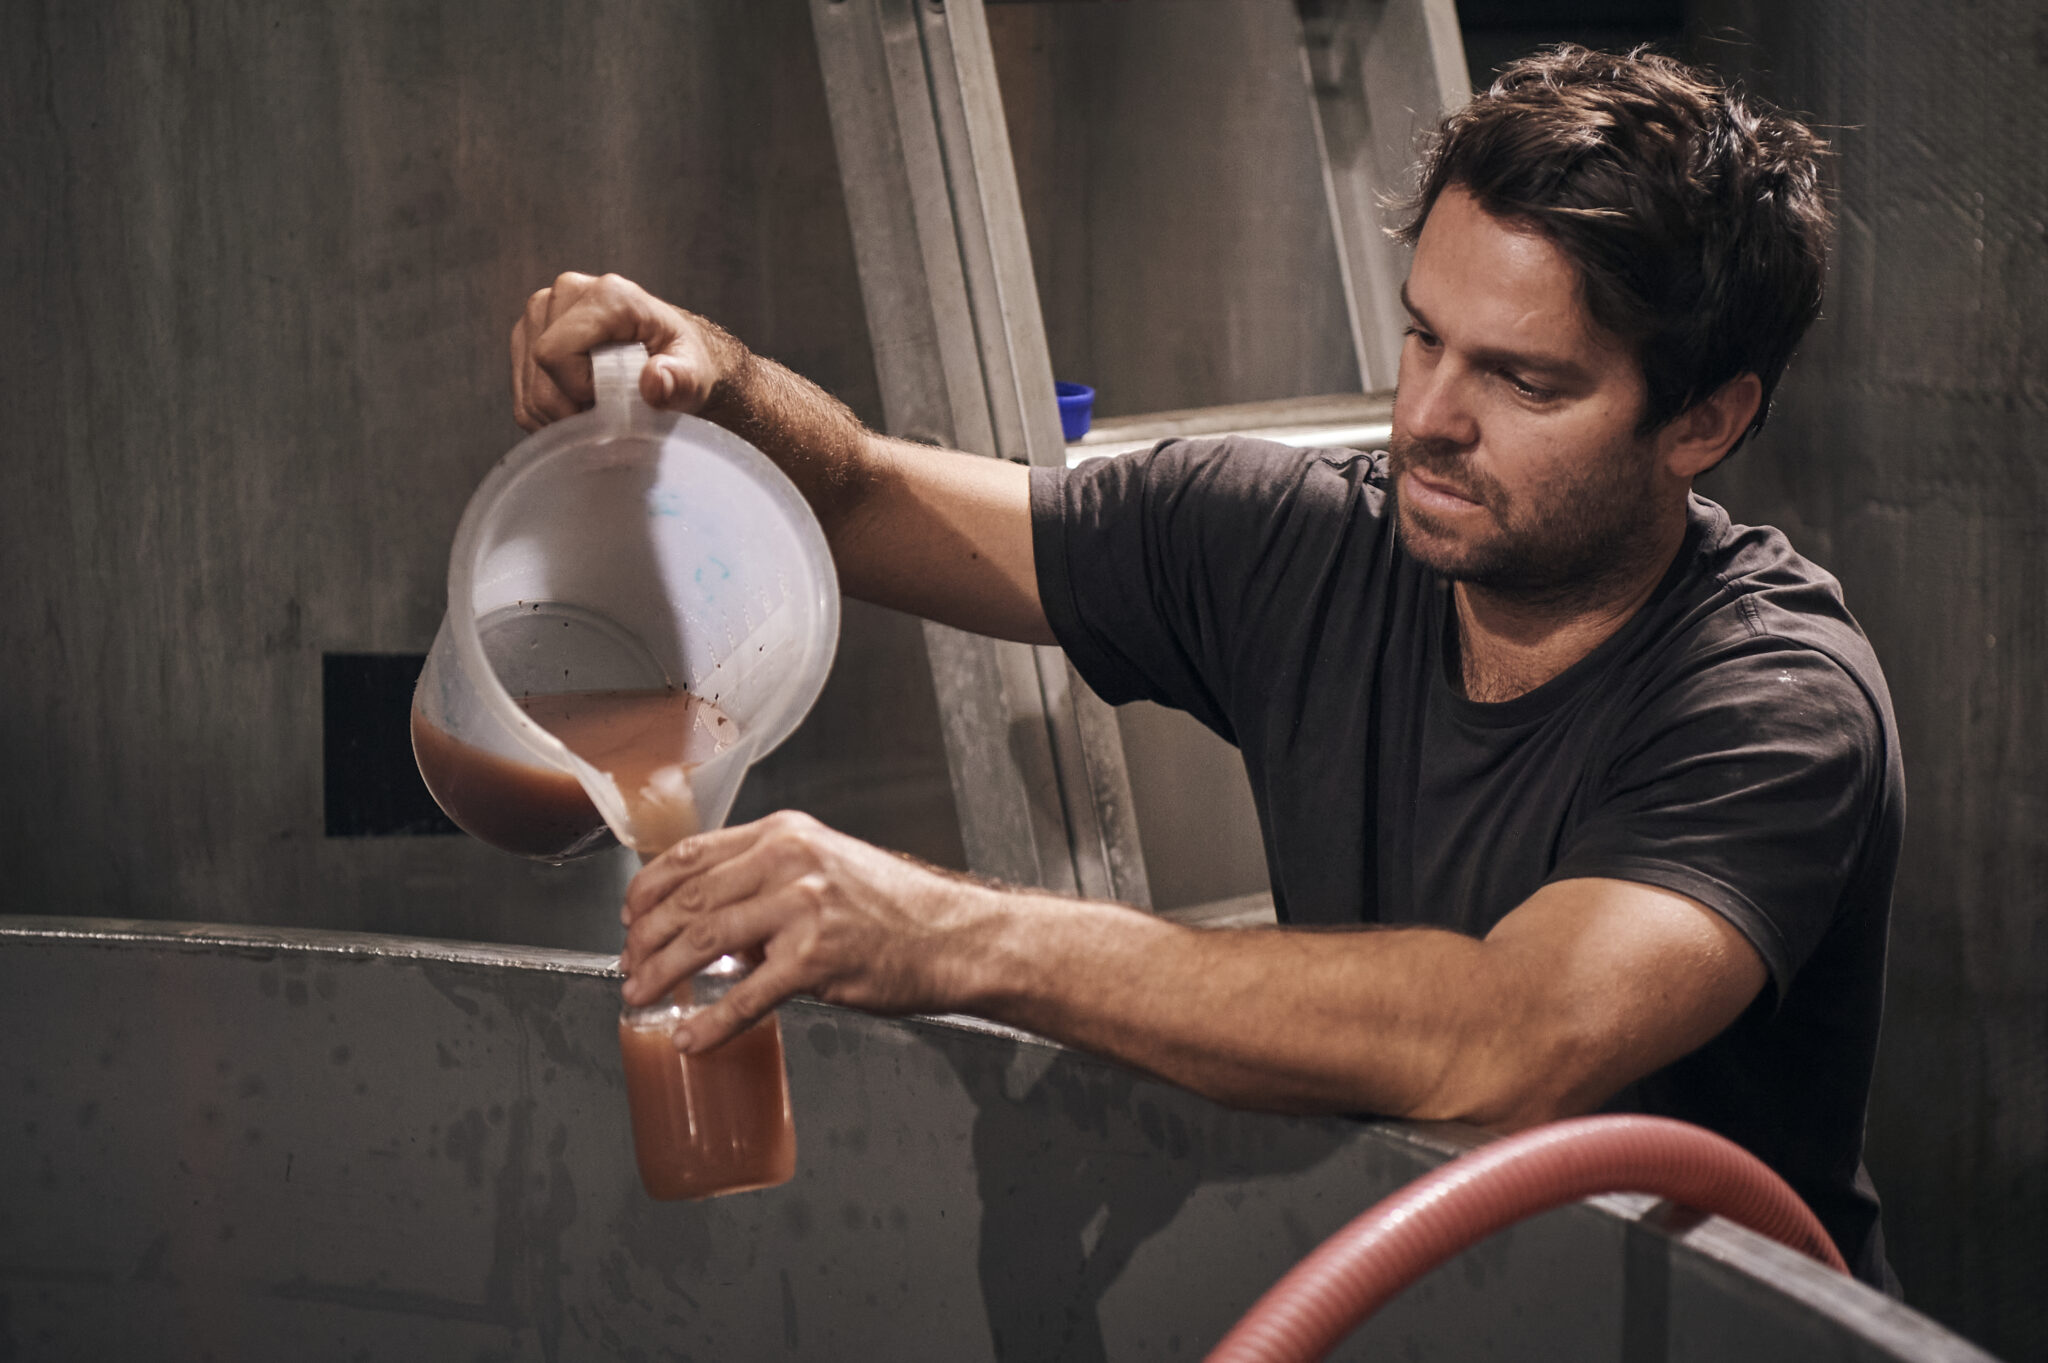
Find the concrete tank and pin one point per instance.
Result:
(245, 1143)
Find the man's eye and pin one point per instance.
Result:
(1527, 389)
(1419, 334)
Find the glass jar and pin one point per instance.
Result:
(711, 1123)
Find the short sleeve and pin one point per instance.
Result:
(1163, 571)
(1752, 789)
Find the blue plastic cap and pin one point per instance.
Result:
(1077, 407)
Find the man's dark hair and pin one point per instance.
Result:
(1694, 214)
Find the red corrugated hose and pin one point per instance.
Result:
(1353, 1273)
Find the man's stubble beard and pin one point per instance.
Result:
(1589, 536)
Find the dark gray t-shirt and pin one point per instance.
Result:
(1733, 742)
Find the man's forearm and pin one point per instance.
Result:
(1583, 988)
(811, 435)
(934, 532)
(1412, 1022)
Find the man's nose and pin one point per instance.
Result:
(1431, 404)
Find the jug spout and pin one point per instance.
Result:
(668, 803)
(673, 805)
(658, 764)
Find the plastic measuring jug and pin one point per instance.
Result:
(621, 551)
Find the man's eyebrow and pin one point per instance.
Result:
(1556, 366)
(1409, 303)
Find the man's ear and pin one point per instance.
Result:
(1700, 437)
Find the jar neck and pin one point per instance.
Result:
(701, 990)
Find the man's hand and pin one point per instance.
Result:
(829, 915)
(687, 356)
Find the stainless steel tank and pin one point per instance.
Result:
(235, 1143)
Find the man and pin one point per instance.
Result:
(1616, 782)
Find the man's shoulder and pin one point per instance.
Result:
(1249, 467)
(1193, 571)
(1758, 647)
(1239, 505)
(1751, 592)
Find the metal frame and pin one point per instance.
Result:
(187, 1100)
(959, 343)
(1379, 72)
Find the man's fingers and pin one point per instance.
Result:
(733, 881)
(589, 313)
(564, 322)
(536, 398)
(551, 382)
(565, 369)
(688, 860)
(568, 290)
(680, 380)
(707, 937)
(747, 1002)
(519, 412)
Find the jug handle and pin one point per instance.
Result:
(615, 375)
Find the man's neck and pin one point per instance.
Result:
(1509, 645)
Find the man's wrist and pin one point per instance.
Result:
(971, 950)
(1026, 956)
(732, 364)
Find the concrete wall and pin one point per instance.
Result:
(1906, 456)
(261, 263)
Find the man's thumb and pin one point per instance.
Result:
(676, 384)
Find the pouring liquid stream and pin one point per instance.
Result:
(647, 742)
(705, 1124)
(719, 1121)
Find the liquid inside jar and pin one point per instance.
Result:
(711, 1123)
